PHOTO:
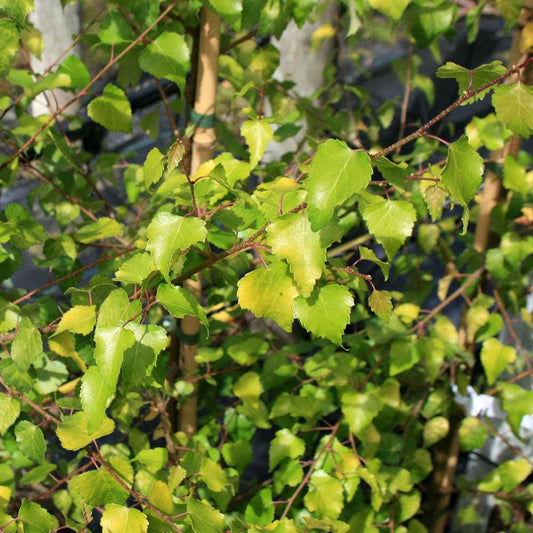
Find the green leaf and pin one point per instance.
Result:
(403, 356)
(30, 440)
(135, 269)
(514, 107)
(27, 230)
(515, 177)
(390, 8)
(360, 408)
(229, 10)
(380, 302)
(429, 21)
(204, 518)
(167, 57)
(394, 173)
(139, 360)
(257, 134)
(150, 124)
(98, 488)
(10, 409)
(407, 506)
(510, 11)
(260, 510)
(180, 302)
(112, 110)
(461, 176)
(110, 344)
(101, 229)
(495, 357)
(326, 313)
(337, 173)
(153, 167)
(390, 222)
(237, 454)
(167, 234)
(76, 70)
(115, 29)
(18, 10)
(153, 459)
(119, 519)
(472, 434)
(27, 345)
(74, 434)
(325, 495)
(292, 238)
(36, 519)
(517, 402)
(9, 43)
(117, 309)
(94, 394)
(79, 319)
(435, 429)
(248, 387)
(283, 445)
(472, 80)
(213, 475)
(367, 254)
(269, 293)
(512, 473)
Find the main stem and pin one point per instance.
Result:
(202, 150)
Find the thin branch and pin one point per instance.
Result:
(459, 292)
(83, 92)
(467, 96)
(137, 496)
(47, 416)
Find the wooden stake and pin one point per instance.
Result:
(202, 150)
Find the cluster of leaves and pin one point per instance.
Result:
(350, 385)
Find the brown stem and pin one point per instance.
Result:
(311, 469)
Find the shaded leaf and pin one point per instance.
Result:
(112, 110)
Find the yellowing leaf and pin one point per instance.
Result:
(495, 357)
(119, 519)
(292, 238)
(74, 434)
(380, 302)
(80, 319)
(269, 293)
(514, 107)
(257, 134)
(10, 409)
(248, 387)
(391, 8)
